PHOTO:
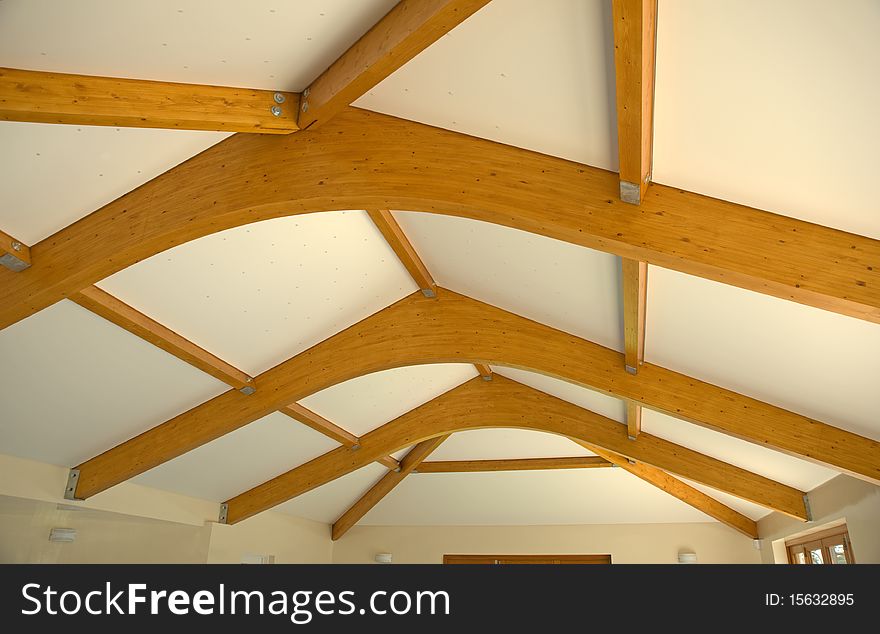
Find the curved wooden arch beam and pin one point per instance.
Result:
(364, 160)
(452, 328)
(503, 402)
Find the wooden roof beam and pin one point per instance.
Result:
(15, 255)
(118, 312)
(684, 492)
(454, 328)
(41, 97)
(363, 159)
(479, 404)
(409, 28)
(384, 486)
(513, 464)
(321, 425)
(635, 30)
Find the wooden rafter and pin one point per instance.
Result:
(403, 248)
(247, 178)
(409, 257)
(384, 486)
(454, 328)
(321, 425)
(118, 312)
(635, 29)
(684, 492)
(505, 403)
(484, 370)
(633, 419)
(409, 28)
(15, 255)
(513, 464)
(41, 97)
(115, 310)
(634, 280)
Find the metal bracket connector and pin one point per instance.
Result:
(224, 511)
(630, 192)
(13, 263)
(427, 292)
(807, 507)
(631, 369)
(70, 489)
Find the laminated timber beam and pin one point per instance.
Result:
(321, 425)
(41, 97)
(403, 248)
(503, 403)
(15, 255)
(384, 486)
(684, 492)
(409, 28)
(118, 312)
(452, 328)
(512, 464)
(635, 31)
(363, 160)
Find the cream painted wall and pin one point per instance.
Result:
(107, 537)
(627, 543)
(846, 498)
(102, 537)
(291, 540)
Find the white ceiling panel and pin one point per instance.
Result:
(500, 444)
(271, 44)
(259, 294)
(76, 385)
(537, 75)
(575, 496)
(328, 502)
(772, 104)
(362, 404)
(811, 361)
(53, 175)
(775, 465)
(568, 287)
(603, 404)
(240, 460)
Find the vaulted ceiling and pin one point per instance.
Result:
(759, 104)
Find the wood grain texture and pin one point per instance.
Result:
(366, 160)
(15, 255)
(633, 419)
(320, 424)
(484, 370)
(409, 28)
(684, 492)
(504, 403)
(634, 280)
(452, 328)
(384, 486)
(513, 464)
(118, 312)
(403, 248)
(389, 462)
(635, 27)
(41, 97)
